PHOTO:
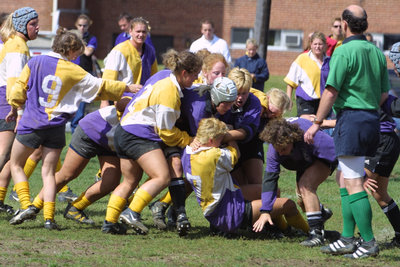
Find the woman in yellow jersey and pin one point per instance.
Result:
(147, 126)
(20, 26)
(132, 61)
(214, 66)
(308, 74)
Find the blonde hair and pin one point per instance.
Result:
(178, 61)
(140, 20)
(252, 41)
(318, 35)
(210, 128)
(203, 53)
(279, 99)
(242, 78)
(7, 29)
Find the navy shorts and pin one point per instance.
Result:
(7, 126)
(86, 147)
(356, 133)
(51, 138)
(306, 106)
(386, 155)
(130, 146)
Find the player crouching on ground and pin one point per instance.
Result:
(312, 163)
(223, 203)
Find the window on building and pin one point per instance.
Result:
(239, 37)
(389, 40)
(278, 40)
(285, 40)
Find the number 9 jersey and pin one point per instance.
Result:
(52, 88)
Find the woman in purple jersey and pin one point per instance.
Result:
(312, 163)
(93, 137)
(51, 88)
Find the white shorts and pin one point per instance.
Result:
(352, 166)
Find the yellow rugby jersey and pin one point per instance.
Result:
(53, 87)
(261, 96)
(305, 74)
(208, 171)
(153, 111)
(125, 64)
(13, 57)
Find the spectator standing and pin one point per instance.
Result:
(83, 22)
(336, 38)
(307, 75)
(210, 41)
(256, 65)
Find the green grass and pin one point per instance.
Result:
(79, 245)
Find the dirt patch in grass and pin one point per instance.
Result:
(38, 251)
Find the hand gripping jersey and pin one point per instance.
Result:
(13, 57)
(52, 88)
(100, 126)
(153, 111)
(300, 158)
(246, 117)
(125, 64)
(208, 171)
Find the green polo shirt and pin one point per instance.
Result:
(358, 71)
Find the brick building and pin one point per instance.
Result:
(175, 23)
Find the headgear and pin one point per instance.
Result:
(394, 55)
(223, 90)
(21, 17)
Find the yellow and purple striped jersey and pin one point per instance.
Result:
(13, 57)
(125, 64)
(305, 76)
(51, 87)
(152, 113)
(208, 171)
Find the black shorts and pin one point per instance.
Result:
(386, 155)
(306, 106)
(7, 126)
(130, 146)
(86, 147)
(331, 165)
(247, 216)
(172, 151)
(254, 149)
(51, 138)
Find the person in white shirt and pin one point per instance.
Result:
(210, 41)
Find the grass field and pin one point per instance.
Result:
(29, 244)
